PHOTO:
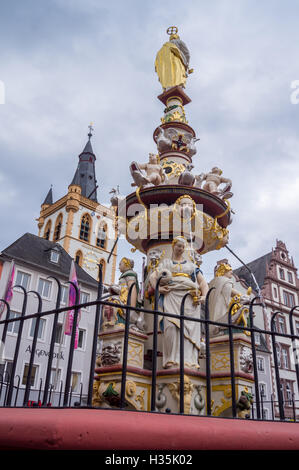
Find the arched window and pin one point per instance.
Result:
(101, 240)
(79, 257)
(57, 230)
(85, 228)
(48, 230)
(103, 263)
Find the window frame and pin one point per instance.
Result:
(260, 360)
(288, 299)
(40, 278)
(48, 228)
(43, 321)
(53, 370)
(264, 386)
(84, 232)
(36, 375)
(56, 252)
(285, 355)
(87, 309)
(63, 336)
(20, 284)
(17, 314)
(83, 347)
(6, 361)
(80, 380)
(64, 289)
(102, 242)
(58, 224)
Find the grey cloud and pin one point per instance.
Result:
(71, 62)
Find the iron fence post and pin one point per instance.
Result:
(17, 348)
(155, 345)
(52, 342)
(33, 348)
(125, 348)
(72, 345)
(208, 362)
(277, 376)
(95, 337)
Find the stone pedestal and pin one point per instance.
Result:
(107, 384)
(221, 371)
(168, 391)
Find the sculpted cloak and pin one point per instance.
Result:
(181, 283)
(171, 63)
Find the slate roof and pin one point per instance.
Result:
(85, 173)
(35, 251)
(49, 197)
(258, 268)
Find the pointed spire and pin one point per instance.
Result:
(85, 173)
(88, 147)
(49, 198)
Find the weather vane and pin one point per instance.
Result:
(90, 130)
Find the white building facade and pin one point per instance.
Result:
(39, 277)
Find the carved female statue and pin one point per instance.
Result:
(181, 276)
(223, 296)
(172, 63)
(117, 316)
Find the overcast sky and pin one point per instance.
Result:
(68, 62)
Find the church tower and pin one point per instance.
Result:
(79, 223)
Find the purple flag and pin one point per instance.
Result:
(72, 301)
(8, 291)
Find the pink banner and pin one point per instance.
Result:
(72, 300)
(8, 291)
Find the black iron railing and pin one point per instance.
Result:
(13, 393)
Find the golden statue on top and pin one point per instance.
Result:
(172, 61)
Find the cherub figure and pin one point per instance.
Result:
(213, 181)
(154, 172)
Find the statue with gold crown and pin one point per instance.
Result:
(172, 61)
(223, 296)
(116, 316)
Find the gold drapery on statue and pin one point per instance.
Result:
(170, 67)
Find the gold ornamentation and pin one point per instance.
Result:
(130, 388)
(174, 389)
(227, 392)
(181, 274)
(135, 353)
(222, 269)
(155, 265)
(176, 116)
(225, 212)
(220, 361)
(176, 169)
(140, 398)
(129, 263)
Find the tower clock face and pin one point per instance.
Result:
(90, 261)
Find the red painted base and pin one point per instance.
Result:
(94, 429)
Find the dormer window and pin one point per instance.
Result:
(54, 256)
